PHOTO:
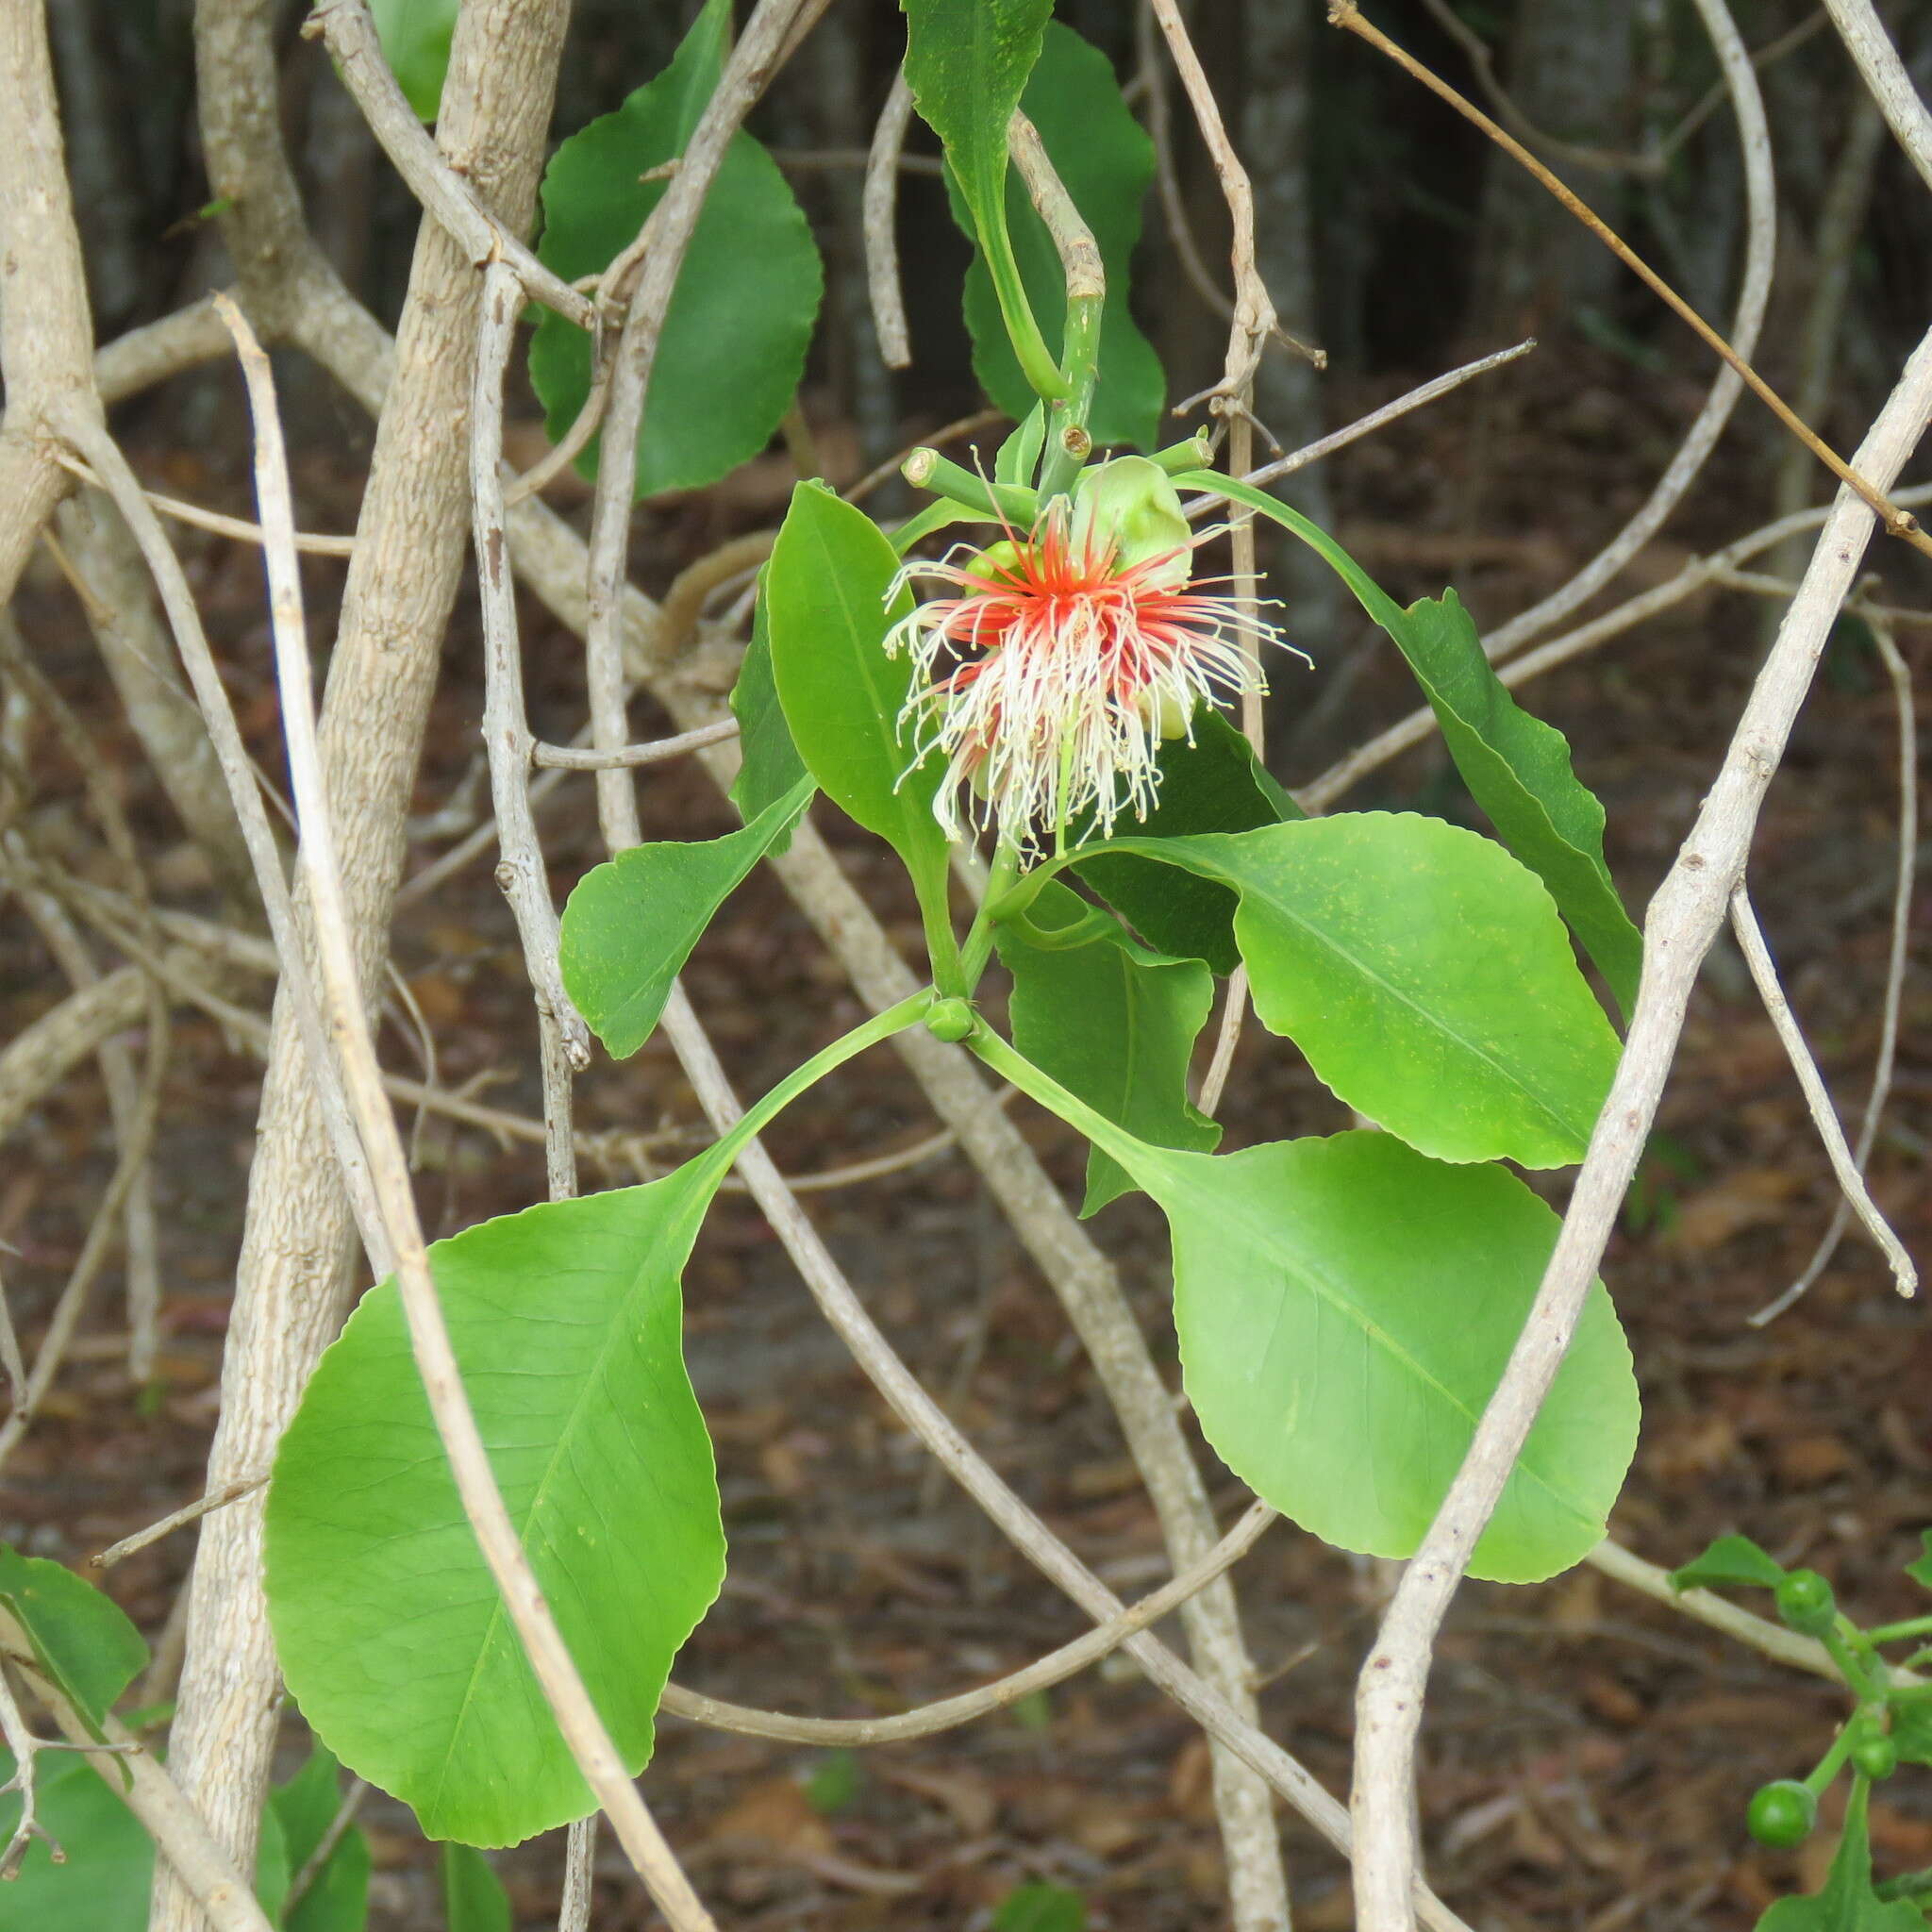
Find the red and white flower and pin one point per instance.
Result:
(1051, 678)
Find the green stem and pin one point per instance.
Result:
(1916, 1657)
(1005, 870)
(1005, 503)
(1845, 1643)
(1029, 346)
(1067, 441)
(1108, 1135)
(909, 1012)
(1897, 1633)
(1178, 459)
(1828, 1767)
(1907, 1885)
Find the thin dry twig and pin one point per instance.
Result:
(308, 541)
(576, 1717)
(879, 226)
(1684, 919)
(177, 1518)
(948, 1713)
(657, 751)
(26, 1749)
(1895, 521)
(1900, 674)
(579, 1872)
(1817, 1098)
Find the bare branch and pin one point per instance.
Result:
(347, 29)
(1684, 919)
(1863, 33)
(1824, 1115)
(1907, 867)
(176, 1518)
(880, 227)
(948, 1713)
(569, 757)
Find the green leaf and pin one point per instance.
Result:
(415, 36)
(80, 1638)
(391, 1633)
(1426, 975)
(1110, 1022)
(826, 588)
(1214, 785)
(834, 1783)
(473, 1899)
(1105, 160)
(741, 320)
(1846, 1901)
(631, 922)
(967, 66)
(1920, 1568)
(337, 1899)
(1041, 1908)
(105, 1884)
(772, 765)
(273, 1871)
(1912, 1729)
(1517, 767)
(1345, 1309)
(1731, 1562)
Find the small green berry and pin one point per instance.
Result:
(1782, 1813)
(950, 1020)
(1805, 1603)
(1873, 1753)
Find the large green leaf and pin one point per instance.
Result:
(631, 922)
(565, 1319)
(80, 1638)
(393, 1636)
(771, 764)
(1517, 767)
(1345, 1309)
(1110, 1022)
(1426, 975)
(1105, 160)
(826, 591)
(1214, 785)
(473, 1899)
(735, 337)
(415, 36)
(1846, 1901)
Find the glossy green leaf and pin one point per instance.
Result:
(1105, 160)
(415, 36)
(826, 589)
(1214, 785)
(80, 1638)
(771, 763)
(566, 1321)
(1110, 1022)
(1345, 1309)
(1426, 975)
(1731, 1562)
(1517, 767)
(1846, 1901)
(741, 320)
(337, 1899)
(473, 1899)
(1041, 1908)
(632, 922)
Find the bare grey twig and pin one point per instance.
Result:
(880, 208)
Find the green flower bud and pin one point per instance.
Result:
(1131, 502)
(950, 1020)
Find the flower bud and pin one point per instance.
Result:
(1131, 504)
